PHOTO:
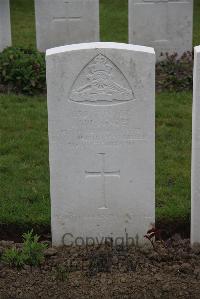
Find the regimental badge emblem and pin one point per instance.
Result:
(101, 82)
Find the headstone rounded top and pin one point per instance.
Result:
(197, 49)
(99, 45)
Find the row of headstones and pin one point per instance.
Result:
(162, 24)
(101, 119)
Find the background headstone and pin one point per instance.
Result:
(61, 22)
(165, 25)
(101, 140)
(5, 27)
(195, 217)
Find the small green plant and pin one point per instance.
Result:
(13, 257)
(61, 273)
(32, 252)
(32, 249)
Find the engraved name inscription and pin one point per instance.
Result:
(101, 83)
(78, 137)
(90, 128)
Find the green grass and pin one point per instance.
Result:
(24, 190)
(24, 182)
(173, 155)
(113, 19)
(23, 23)
(196, 30)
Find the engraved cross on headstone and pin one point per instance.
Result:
(165, 7)
(68, 16)
(102, 174)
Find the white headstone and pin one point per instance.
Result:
(195, 217)
(5, 28)
(61, 22)
(101, 140)
(165, 25)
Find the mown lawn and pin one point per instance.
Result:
(173, 155)
(24, 169)
(23, 23)
(24, 172)
(24, 191)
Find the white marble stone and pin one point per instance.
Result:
(195, 184)
(165, 25)
(5, 28)
(101, 140)
(61, 22)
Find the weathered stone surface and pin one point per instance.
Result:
(164, 25)
(101, 142)
(61, 22)
(5, 28)
(195, 184)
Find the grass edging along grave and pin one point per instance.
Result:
(24, 168)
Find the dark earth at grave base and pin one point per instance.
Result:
(168, 228)
(170, 270)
